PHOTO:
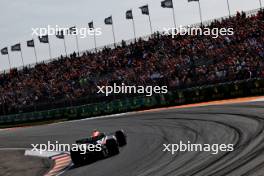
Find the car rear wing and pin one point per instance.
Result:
(84, 141)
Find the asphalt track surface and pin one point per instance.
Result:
(240, 124)
(13, 164)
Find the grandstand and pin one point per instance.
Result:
(180, 63)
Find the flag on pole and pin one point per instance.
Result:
(73, 30)
(192, 0)
(129, 15)
(60, 35)
(91, 25)
(167, 4)
(4, 51)
(44, 39)
(144, 10)
(108, 20)
(30, 43)
(16, 47)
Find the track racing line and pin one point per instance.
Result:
(239, 122)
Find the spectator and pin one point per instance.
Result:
(182, 62)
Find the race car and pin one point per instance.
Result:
(98, 146)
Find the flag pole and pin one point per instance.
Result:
(50, 51)
(65, 48)
(35, 52)
(77, 44)
(95, 45)
(150, 24)
(134, 28)
(200, 11)
(260, 4)
(9, 60)
(228, 6)
(173, 11)
(113, 30)
(94, 37)
(22, 57)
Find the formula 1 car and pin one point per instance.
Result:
(98, 146)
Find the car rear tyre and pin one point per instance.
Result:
(121, 138)
(77, 158)
(112, 147)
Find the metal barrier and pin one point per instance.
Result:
(249, 87)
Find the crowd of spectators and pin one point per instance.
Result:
(180, 62)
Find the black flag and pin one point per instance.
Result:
(108, 21)
(60, 35)
(30, 43)
(4, 51)
(44, 39)
(91, 25)
(72, 30)
(167, 4)
(129, 15)
(144, 10)
(16, 47)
